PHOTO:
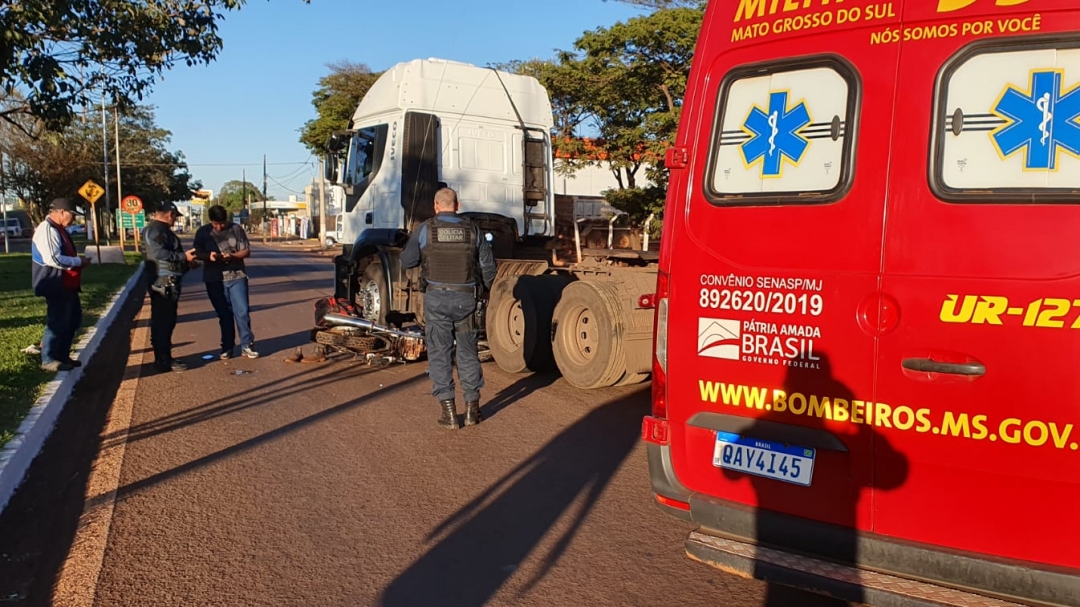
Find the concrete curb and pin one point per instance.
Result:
(17, 455)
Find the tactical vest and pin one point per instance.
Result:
(450, 252)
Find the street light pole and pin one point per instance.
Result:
(247, 206)
(105, 155)
(266, 223)
(119, 192)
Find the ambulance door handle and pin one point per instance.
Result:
(925, 365)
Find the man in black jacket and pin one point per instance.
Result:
(168, 262)
(456, 261)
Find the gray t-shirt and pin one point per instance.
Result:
(229, 241)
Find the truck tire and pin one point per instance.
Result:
(629, 379)
(587, 339)
(375, 293)
(519, 321)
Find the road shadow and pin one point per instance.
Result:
(38, 525)
(284, 343)
(151, 350)
(266, 437)
(301, 382)
(517, 391)
(843, 474)
(479, 547)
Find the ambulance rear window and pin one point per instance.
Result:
(1007, 124)
(783, 135)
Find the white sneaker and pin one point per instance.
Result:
(249, 351)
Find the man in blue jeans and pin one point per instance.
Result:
(57, 276)
(224, 246)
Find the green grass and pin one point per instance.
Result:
(22, 323)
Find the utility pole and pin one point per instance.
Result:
(322, 205)
(247, 207)
(266, 222)
(105, 155)
(119, 193)
(3, 201)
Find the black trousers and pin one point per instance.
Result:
(163, 312)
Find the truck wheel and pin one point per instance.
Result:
(374, 295)
(587, 333)
(629, 379)
(519, 321)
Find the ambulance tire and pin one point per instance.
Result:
(586, 345)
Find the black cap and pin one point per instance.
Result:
(64, 204)
(168, 207)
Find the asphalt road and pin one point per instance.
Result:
(259, 482)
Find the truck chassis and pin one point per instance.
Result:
(553, 305)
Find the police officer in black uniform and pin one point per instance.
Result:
(168, 262)
(456, 261)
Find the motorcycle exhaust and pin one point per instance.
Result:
(340, 320)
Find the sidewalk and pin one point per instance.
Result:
(18, 454)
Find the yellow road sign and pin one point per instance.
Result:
(91, 191)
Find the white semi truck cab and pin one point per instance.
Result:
(487, 134)
(482, 132)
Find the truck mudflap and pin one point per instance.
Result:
(839, 581)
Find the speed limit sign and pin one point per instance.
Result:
(131, 204)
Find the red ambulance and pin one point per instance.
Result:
(867, 368)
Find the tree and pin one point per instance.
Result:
(662, 4)
(147, 168)
(64, 53)
(234, 194)
(335, 102)
(626, 84)
(50, 164)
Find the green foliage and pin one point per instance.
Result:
(662, 4)
(639, 203)
(232, 196)
(22, 318)
(335, 102)
(48, 164)
(63, 53)
(626, 83)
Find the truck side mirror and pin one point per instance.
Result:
(330, 168)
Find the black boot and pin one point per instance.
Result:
(449, 415)
(472, 413)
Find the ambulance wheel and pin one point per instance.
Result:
(374, 295)
(519, 322)
(586, 341)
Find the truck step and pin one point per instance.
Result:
(842, 582)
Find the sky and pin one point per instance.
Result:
(253, 99)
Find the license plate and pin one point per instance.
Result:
(778, 461)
